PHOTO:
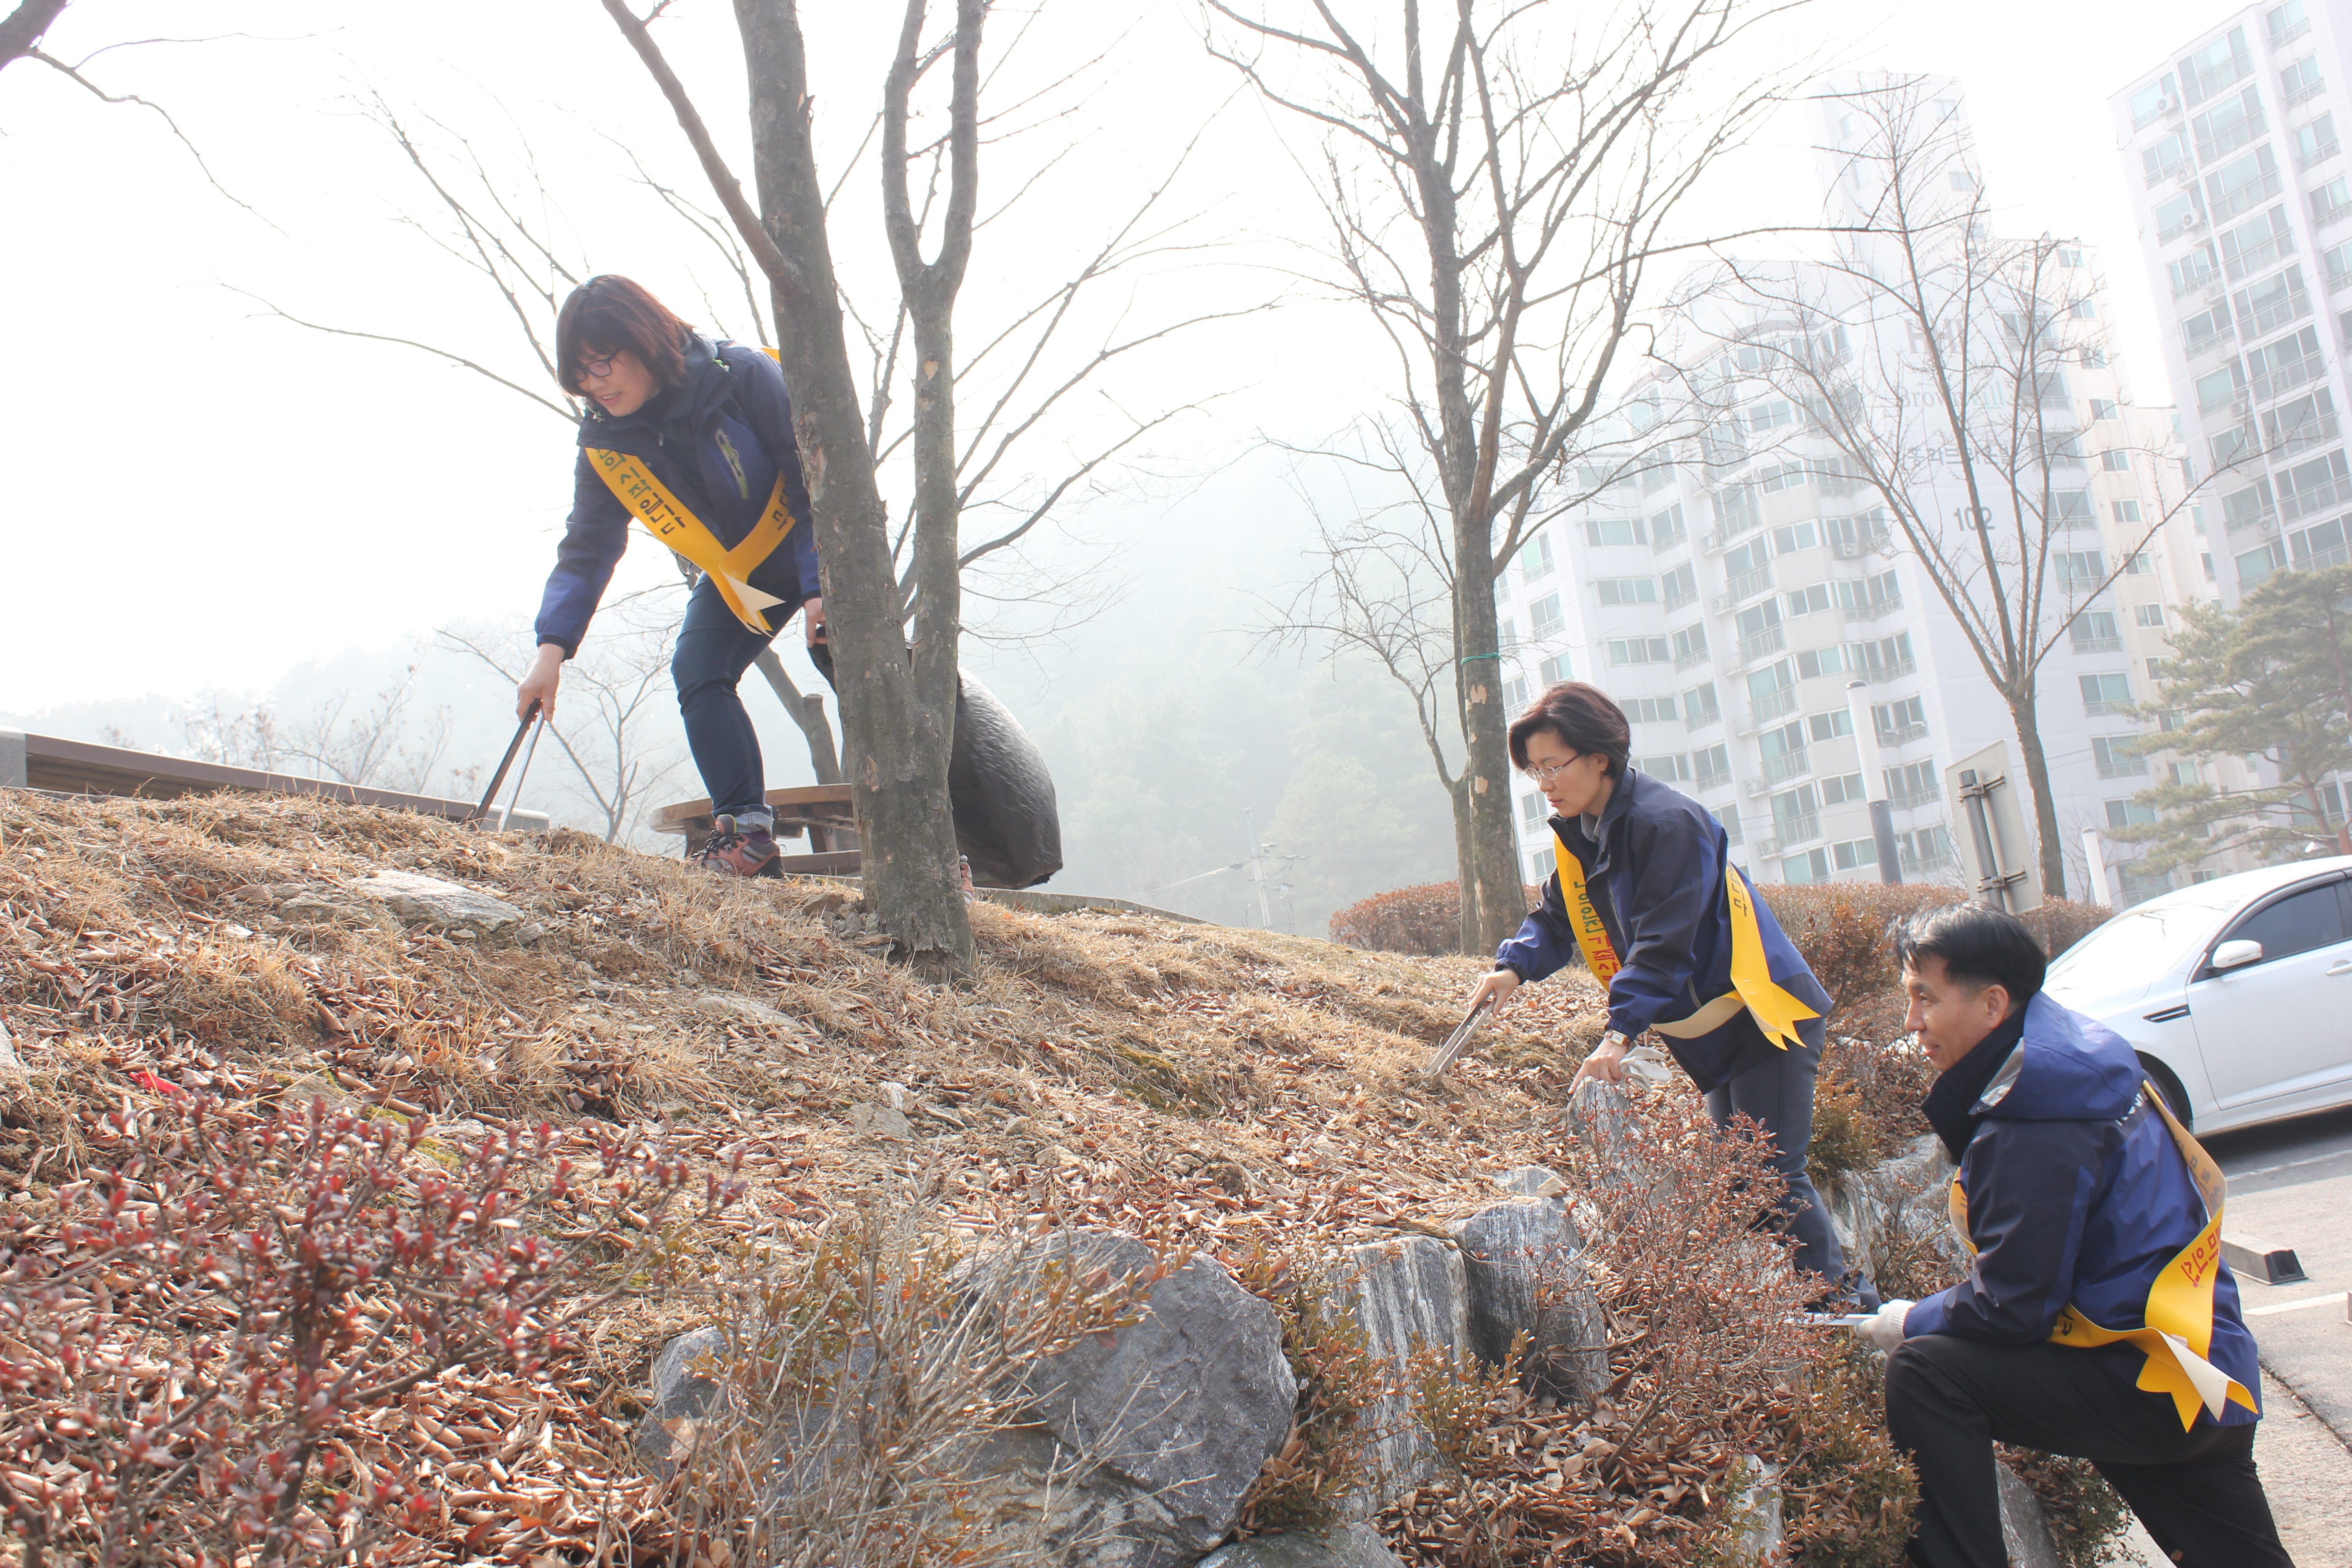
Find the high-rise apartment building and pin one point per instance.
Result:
(1731, 590)
(2244, 205)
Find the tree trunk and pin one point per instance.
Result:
(1466, 861)
(806, 708)
(21, 30)
(894, 747)
(2045, 809)
(1486, 759)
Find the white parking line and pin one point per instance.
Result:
(2332, 1298)
(2288, 1165)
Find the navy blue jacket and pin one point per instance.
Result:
(2077, 1196)
(1655, 878)
(716, 440)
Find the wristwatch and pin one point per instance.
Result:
(1613, 1037)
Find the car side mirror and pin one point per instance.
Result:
(2237, 954)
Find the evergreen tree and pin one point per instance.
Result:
(2271, 679)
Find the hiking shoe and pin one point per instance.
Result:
(732, 852)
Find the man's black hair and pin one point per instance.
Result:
(1979, 945)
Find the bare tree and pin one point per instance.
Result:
(21, 30)
(379, 742)
(1933, 357)
(1496, 192)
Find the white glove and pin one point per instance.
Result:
(1884, 1329)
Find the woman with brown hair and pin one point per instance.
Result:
(1644, 888)
(694, 439)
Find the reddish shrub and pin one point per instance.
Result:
(1426, 921)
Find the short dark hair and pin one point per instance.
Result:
(609, 313)
(1583, 718)
(1979, 945)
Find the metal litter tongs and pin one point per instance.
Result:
(1459, 1038)
(507, 762)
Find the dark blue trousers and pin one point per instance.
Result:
(1779, 1098)
(713, 651)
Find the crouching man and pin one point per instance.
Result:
(2098, 1320)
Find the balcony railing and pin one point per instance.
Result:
(1871, 609)
(1795, 765)
(1935, 862)
(1903, 735)
(2096, 645)
(1895, 669)
(1705, 718)
(2293, 373)
(1796, 829)
(1712, 780)
(1756, 645)
(2206, 342)
(2103, 709)
(1681, 596)
(1773, 705)
(2123, 768)
(1750, 582)
(1691, 658)
(2305, 93)
(1914, 800)
(1544, 631)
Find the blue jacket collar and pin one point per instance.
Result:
(676, 414)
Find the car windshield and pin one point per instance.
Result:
(2140, 944)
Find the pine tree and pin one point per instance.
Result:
(2271, 679)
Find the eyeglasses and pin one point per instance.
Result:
(1545, 775)
(597, 369)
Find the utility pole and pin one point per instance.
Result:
(1268, 887)
(1873, 780)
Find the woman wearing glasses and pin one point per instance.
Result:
(1644, 889)
(694, 439)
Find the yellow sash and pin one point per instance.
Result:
(661, 511)
(1776, 1012)
(2179, 1334)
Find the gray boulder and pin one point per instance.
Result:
(1405, 1294)
(10, 1062)
(1344, 1546)
(1146, 1439)
(1522, 1276)
(445, 906)
(1755, 1513)
(681, 1400)
(1532, 1181)
(2023, 1530)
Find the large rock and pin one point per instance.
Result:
(1754, 1509)
(1522, 1276)
(1407, 1295)
(2023, 1530)
(682, 1401)
(1155, 1431)
(445, 906)
(1343, 1546)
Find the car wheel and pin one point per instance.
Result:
(2174, 1095)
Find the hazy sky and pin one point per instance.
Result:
(217, 495)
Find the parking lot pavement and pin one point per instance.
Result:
(2305, 1474)
(2291, 1184)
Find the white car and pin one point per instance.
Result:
(2236, 992)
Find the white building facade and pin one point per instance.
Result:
(1730, 598)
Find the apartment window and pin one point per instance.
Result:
(1620, 592)
(2129, 814)
(2138, 564)
(2083, 311)
(1598, 476)
(1843, 790)
(2254, 246)
(1650, 710)
(1747, 570)
(1772, 691)
(1795, 537)
(2301, 81)
(2329, 202)
(1930, 847)
(2339, 263)
(1674, 769)
(2150, 615)
(2159, 669)
(1711, 769)
(1535, 558)
(2243, 508)
(2271, 303)
(1760, 630)
(2151, 100)
(1855, 536)
(1636, 650)
(1546, 618)
(2115, 759)
(1784, 752)
(2219, 64)
(1814, 865)
(2115, 462)
(1667, 530)
(2078, 568)
(1830, 726)
(2169, 156)
(2243, 183)
(1962, 180)
(1770, 415)
(1881, 660)
(1515, 694)
(2315, 142)
(2185, 773)
(2300, 425)
(2095, 631)
(1555, 669)
(1914, 785)
(2075, 509)
(2290, 361)
(1540, 865)
(2207, 330)
(1805, 601)
(2258, 564)
(1700, 706)
(1690, 645)
(2314, 486)
(2287, 22)
(1531, 808)
(1680, 586)
(2102, 409)
(2192, 271)
(1854, 854)
(1815, 662)
(2105, 694)
(1656, 475)
(1898, 721)
(2321, 545)
(2127, 511)
(1735, 511)
(1729, 816)
(1873, 596)
(2228, 125)
(2233, 443)
(1615, 531)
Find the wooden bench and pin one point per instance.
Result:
(820, 813)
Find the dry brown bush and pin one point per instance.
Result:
(1426, 920)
